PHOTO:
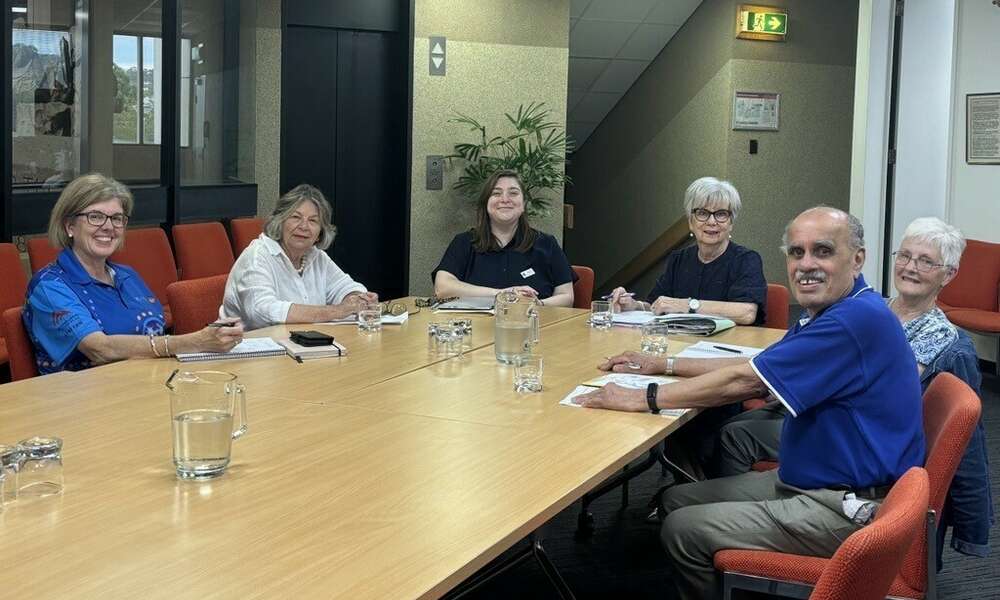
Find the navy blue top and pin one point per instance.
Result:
(543, 267)
(65, 304)
(735, 276)
(850, 383)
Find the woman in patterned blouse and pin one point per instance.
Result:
(926, 261)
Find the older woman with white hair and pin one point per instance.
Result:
(284, 276)
(715, 275)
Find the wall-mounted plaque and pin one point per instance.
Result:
(982, 129)
(755, 110)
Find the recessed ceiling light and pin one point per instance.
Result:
(19, 9)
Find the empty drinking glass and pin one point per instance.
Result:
(654, 339)
(11, 460)
(42, 471)
(600, 314)
(370, 319)
(528, 373)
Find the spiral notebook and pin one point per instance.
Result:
(248, 348)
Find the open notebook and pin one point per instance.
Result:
(248, 348)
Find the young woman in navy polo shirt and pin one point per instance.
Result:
(504, 252)
(83, 310)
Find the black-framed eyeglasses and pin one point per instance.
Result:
(721, 216)
(98, 219)
(924, 264)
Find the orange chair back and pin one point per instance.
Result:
(195, 302)
(978, 278)
(951, 412)
(19, 347)
(583, 289)
(776, 308)
(40, 253)
(148, 252)
(864, 566)
(202, 250)
(15, 280)
(245, 231)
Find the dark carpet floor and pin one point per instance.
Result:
(623, 559)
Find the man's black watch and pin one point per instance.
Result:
(651, 390)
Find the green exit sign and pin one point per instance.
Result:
(761, 22)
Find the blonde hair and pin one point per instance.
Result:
(85, 190)
(286, 207)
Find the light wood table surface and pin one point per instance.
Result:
(393, 473)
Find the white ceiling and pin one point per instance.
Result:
(611, 42)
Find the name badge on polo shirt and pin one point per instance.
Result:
(527, 273)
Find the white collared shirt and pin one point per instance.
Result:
(263, 284)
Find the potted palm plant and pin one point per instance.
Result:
(536, 149)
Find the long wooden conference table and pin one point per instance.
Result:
(393, 472)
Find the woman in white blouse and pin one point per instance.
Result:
(284, 276)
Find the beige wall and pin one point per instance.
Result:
(673, 126)
(267, 149)
(500, 54)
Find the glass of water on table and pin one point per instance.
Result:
(528, 373)
(600, 314)
(655, 338)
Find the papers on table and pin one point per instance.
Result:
(714, 350)
(631, 380)
(686, 323)
(386, 320)
(632, 318)
(468, 305)
(625, 380)
(248, 348)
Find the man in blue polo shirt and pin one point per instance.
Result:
(849, 381)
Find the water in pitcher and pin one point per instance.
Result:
(509, 340)
(202, 442)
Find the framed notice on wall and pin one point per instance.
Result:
(982, 129)
(756, 110)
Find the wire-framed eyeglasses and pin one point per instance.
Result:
(721, 216)
(923, 264)
(98, 219)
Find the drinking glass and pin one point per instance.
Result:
(11, 461)
(528, 373)
(600, 314)
(654, 339)
(42, 471)
(370, 319)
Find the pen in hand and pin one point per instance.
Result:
(609, 296)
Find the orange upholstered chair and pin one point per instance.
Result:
(583, 288)
(776, 309)
(19, 349)
(40, 253)
(202, 250)
(148, 252)
(195, 302)
(15, 282)
(245, 231)
(971, 299)
(951, 412)
(865, 564)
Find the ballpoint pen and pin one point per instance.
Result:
(724, 349)
(609, 296)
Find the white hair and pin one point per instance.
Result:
(707, 190)
(947, 238)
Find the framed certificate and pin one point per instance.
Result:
(982, 129)
(756, 110)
